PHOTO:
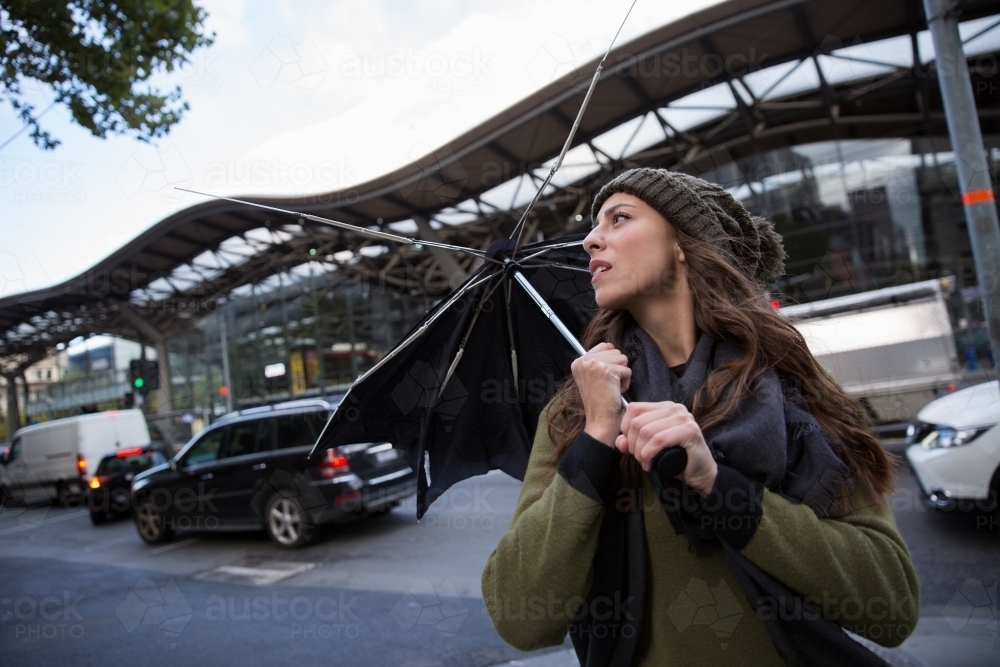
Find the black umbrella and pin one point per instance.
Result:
(462, 392)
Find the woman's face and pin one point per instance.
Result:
(634, 256)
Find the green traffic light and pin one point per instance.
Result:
(138, 382)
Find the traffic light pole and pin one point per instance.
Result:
(226, 381)
(138, 398)
(970, 157)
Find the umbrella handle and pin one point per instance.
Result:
(670, 462)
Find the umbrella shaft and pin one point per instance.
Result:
(552, 317)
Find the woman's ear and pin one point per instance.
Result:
(678, 252)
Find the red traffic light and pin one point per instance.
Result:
(223, 390)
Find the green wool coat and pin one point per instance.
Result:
(855, 570)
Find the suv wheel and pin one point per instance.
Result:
(287, 523)
(151, 524)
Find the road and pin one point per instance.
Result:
(382, 591)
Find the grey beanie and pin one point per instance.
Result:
(706, 212)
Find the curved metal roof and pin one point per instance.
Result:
(742, 52)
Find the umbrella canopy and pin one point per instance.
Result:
(462, 392)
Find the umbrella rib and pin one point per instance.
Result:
(555, 246)
(396, 350)
(465, 340)
(386, 236)
(519, 228)
(510, 335)
(557, 265)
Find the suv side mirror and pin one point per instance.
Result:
(173, 464)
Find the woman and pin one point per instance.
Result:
(776, 535)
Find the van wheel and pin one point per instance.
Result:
(152, 525)
(287, 523)
(68, 495)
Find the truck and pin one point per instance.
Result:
(893, 349)
(53, 460)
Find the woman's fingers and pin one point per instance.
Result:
(646, 439)
(601, 375)
(646, 412)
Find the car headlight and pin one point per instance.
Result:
(943, 437)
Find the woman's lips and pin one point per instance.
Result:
(594, 278)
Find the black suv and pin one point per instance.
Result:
(250, 470)
(108, 489)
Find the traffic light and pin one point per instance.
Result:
(143, 375)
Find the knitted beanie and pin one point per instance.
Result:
(706, 212)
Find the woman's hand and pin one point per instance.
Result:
(602, 375)
(648, 428)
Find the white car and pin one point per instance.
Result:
(956, 449)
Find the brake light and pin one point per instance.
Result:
(132, 451)
(333, 463)
(81, 464)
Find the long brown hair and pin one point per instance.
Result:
(729, 307)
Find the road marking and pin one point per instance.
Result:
(176, 545)
(40, 523)
(254, 572)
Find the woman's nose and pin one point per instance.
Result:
(594, 240)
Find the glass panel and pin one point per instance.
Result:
(295, 431)
(206, 449)
(265, 442)
(134, 464)
(111, 466)
(851, 213)
(243, 439)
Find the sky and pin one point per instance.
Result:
(291, 99)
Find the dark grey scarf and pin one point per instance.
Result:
(767, 438)
(770, 438)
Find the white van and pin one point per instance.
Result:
(53, 459)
